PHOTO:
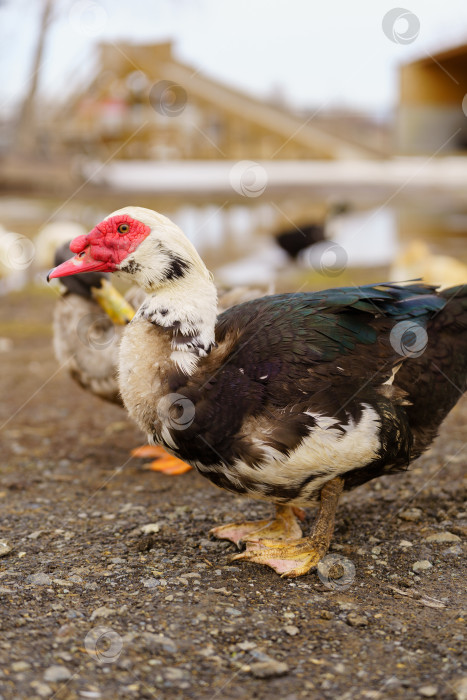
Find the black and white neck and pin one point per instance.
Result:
(186, 309)
(182, 297)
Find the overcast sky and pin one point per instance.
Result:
(316, 53)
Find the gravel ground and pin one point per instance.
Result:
(113, 589)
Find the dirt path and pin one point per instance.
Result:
(91, 606)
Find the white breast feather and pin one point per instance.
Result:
(325, 452)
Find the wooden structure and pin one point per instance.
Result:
(144, 103)
(432, 113)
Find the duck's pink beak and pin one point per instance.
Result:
(83, 262)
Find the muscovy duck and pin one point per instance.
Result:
(289, 398)
(88, 324)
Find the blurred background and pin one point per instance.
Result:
(299, 145)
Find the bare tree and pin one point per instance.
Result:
(26, 134)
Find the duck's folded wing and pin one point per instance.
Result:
(286, 363)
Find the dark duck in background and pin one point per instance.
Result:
(289, 398)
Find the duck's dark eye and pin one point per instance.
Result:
(123, 228)
(82, 254)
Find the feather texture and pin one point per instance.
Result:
(295, 379)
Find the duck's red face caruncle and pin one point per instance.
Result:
(105, 247)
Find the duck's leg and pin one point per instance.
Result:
(163, 462)
(297, 556)
(283, 527)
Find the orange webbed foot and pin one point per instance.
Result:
(169, 465)
(163, 462)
